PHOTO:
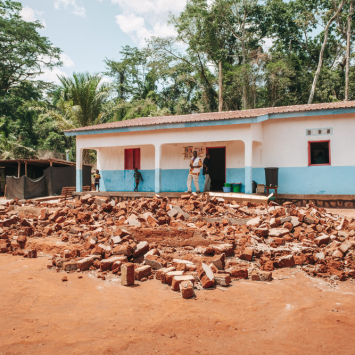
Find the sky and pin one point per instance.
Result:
(88, 31)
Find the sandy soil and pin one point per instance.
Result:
(293, 314)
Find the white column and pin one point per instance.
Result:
(248, 166)
(158, 153)
(79, 169)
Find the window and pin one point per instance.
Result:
(132, 158)
(319, 153)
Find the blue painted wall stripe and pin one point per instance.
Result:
(332, 180)
(222, 122)
(79, 179)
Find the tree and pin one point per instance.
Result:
(336, 11)
(83, 96)
(23, 52)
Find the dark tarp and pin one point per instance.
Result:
(24, 187)
(59, 177)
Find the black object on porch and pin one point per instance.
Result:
(218, 167)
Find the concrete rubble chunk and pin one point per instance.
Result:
(208, 271)
(254, 222)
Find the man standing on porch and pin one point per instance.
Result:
(206, 172)
(195, 167)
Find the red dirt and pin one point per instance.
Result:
(40, 314)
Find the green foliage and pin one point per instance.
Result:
(218, 59)
(23, 52)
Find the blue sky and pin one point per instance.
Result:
(88, 31)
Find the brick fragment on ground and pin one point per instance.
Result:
(222, 279)
(127, 274)
(142, 272)
(176, 280)
(187, 289)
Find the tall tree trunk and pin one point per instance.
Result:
(320, 62)
(220, 102)
(348, 52)
(245, 102)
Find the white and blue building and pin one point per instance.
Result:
(312, 145)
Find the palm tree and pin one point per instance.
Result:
(88, 95)
(82, 103)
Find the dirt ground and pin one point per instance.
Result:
(293, 314)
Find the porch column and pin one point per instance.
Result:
(158, 153)
(248, 167)
(79, 171)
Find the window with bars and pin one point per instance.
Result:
(132, 158)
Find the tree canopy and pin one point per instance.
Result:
(226, 55)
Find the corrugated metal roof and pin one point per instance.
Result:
(214, 116)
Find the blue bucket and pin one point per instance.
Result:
(227, 189)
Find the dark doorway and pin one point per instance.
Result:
(218, 167)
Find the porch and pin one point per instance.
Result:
(163, 158)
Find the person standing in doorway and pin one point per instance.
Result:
(206, 172)
(195, 168)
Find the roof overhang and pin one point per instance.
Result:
(219, 122)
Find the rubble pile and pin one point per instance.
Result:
(189, 243)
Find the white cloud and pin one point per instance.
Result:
(72, 6)
(30, 15)
(67, 61)
(135, 27)
(142, 19)
(51, 75)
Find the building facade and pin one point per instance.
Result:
(312, 145)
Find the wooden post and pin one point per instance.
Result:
(26, 168)
(18, 169)
(51, 163)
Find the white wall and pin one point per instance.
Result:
(113, 158)
(286, 143)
